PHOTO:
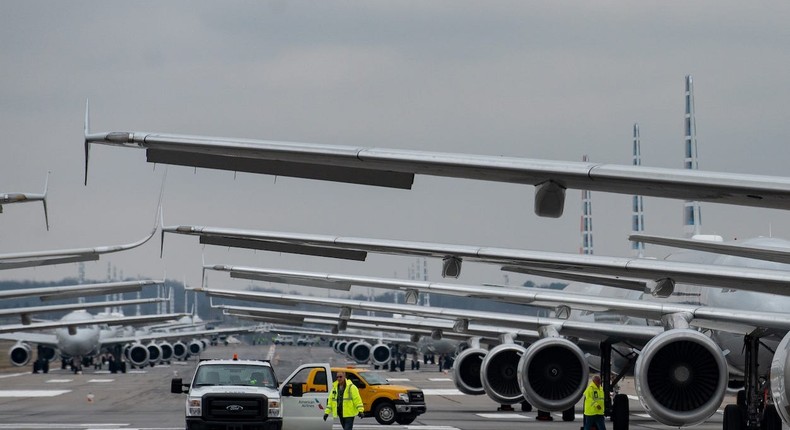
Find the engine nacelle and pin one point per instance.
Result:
(154, 353)
(340, 347)
(137, 354)
(179, 350)
(780, 379)
(468, 369)
(195, 347)
(552, 374)
(350, 348)
(380, 354)
(167, 351)
(361, 352)
(19, 354)
(500, 373)
(681, 377)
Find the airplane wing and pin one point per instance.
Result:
(141, 337)
(46, 339)
(778, 255)
(396, 169)
(44, 258)
(409, 325)
(730, 320)
(462, 317)
(9, 198)
(24, 313)
(72, 291)
(663, 273)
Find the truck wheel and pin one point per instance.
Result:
(405, 419)
(385, 413)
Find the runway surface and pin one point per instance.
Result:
(141, 398)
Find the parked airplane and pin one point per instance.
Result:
(9, 198)
(84, 336)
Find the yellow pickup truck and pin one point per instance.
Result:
(386, 402)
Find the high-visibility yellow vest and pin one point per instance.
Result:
(593, 400)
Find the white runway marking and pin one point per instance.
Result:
(11, 375)
(270, 354)
(576, 416)
(440, 379)
(95, 426)
(101, 380)
(442, 392)
(32, 393)
(642, 415)
(57, 381)
(398, 379)
(632, 397)
(507, 416)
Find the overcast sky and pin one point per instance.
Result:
(549, 80)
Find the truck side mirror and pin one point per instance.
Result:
(176, 386)
(296, 389)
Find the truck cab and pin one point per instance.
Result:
(386, 402)
(246, 394)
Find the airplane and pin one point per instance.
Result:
(79, 335)
(395, 168)
(9, 198)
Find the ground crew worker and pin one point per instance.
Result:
(593, 405)
(344, 402)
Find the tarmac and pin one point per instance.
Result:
(141, 398)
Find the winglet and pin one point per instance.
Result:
(87, 130)
(44, 200)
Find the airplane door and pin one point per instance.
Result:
(303, 408)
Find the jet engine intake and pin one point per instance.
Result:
(468, 364)
(552, 374)
(154, 353)
(380, 354)
(179, 350)
(681, 377)
(500, 373)
(167, 351)
(361, 352)
(137, 354)
(19, 354)
(341, 346)
(195, 347)
(350, 348)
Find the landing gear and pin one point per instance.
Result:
(614, 407)
(751, 410)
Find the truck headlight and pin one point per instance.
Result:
(274, 409)
(404, 397)
(194, 408)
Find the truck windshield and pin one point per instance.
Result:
(235, 374)
(373, 378)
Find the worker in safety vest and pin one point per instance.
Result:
(344, 402)
(594, 405)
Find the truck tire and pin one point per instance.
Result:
(385, 413)
(405, 419)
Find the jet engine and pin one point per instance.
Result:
(340, 347)
(380, 354)
(780, 379)
(467, 366)
(361, 352)
(350, 348)
(681, 377)
(195, 347)
(154, 353)
(500, 373)
(137, 354)
(552, 374)
(179, 350)
(47, 353)
(167, 351)
(19, 354)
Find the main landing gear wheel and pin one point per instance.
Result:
(732, 418)
(620, 412)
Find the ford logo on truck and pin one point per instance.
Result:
(234, 408)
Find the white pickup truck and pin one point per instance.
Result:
(245, 394)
